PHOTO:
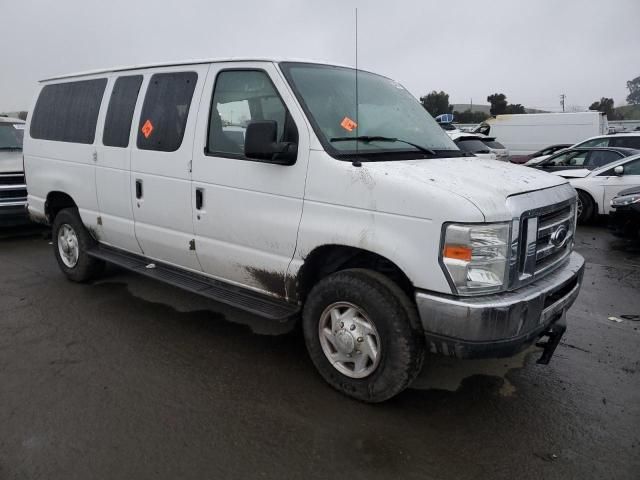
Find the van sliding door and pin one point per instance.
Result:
(161, 164)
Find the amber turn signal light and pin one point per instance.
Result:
(457, 252)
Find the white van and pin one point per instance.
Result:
(261, 185)
(524, 134)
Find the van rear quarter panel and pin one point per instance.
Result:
(54, 166)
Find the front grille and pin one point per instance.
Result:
(12, 188)
(546, 239)
(12, 179)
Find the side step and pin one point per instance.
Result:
(242, 298)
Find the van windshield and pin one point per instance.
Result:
(384, 110)
(11, 136)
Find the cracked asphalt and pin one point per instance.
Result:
(129, 378)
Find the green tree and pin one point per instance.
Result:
(515, 108)
(498, 103)
(436, 103)
(634, 91)
(469, 117)
(605, 105)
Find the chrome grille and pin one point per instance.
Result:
(12, 188)
(546, 238)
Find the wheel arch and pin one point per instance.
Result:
(327, 259)
(56, 201)
(590, 194)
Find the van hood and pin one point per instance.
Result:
(485, 183)
(577, 173)
(10, 161)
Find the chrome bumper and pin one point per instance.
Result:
(502, 324)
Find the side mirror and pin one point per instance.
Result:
(260, 142)
(619, 170)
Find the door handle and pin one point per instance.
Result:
(138, 188)
(199, 198)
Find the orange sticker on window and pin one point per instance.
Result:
(348, 124)
(147, 128)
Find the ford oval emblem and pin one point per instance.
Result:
(559, 236)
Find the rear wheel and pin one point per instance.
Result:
(71, 242)
(362, 334)
(586, 207)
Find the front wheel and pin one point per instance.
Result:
(71, 242)
(362, 334)
(586, 207)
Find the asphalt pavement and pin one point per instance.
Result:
(130, 378)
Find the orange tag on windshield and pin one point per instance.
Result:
(147, 128)
(348, 124)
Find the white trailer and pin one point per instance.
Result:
(527, 133)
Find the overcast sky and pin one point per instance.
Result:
(530, 50)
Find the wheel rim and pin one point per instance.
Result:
(349, 340)
(580, 207)
(68, 245)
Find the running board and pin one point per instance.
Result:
(238, 297)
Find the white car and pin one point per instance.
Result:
(367, 224)
(624, 140)
(596, 188)
(501, 152)
(472, 143)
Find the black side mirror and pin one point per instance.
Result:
(260, 142)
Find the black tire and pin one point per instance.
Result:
(396, 321)
(86, 267)
(588, 206)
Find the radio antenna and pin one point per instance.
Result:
(357, 101)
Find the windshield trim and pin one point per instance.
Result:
(406, 154)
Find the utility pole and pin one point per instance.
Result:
(562, 98)
(471, 107)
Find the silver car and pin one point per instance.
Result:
(13, 188)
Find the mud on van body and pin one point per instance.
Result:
(258, 183)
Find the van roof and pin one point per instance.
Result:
(188, 62)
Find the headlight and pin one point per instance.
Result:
(625, 200)
(475, 257)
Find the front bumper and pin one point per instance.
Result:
(503, 324)
(13, 213)
(624, 221)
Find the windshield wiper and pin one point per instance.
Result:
(10, 148)
(376, 138)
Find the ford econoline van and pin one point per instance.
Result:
(273, 187)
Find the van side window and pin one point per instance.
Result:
(165, 111)
(117, 125)
(240, 97)
(68, 112)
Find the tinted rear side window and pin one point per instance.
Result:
(472, 145)
(68, 112)
(120, 113)
(627, 142)
(165, 111)
(493, 144)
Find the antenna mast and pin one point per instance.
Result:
(357, 101)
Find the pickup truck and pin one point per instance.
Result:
(13, 190)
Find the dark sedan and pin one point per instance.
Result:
(585, 158)
(624, 219)
(550, 150)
